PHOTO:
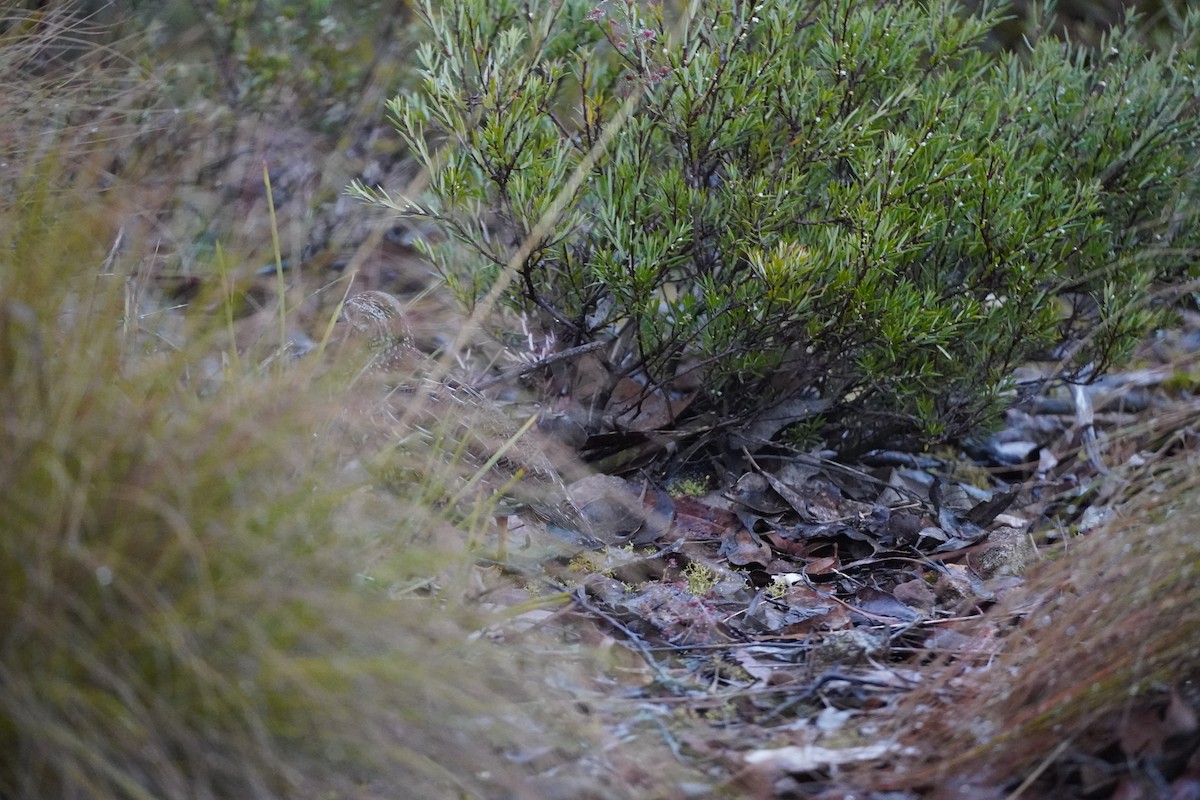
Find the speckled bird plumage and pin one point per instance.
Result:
(522, 464)
(378, 318)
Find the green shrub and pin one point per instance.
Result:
(842, 201)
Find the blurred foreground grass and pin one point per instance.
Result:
(186, 609)
(180, 616)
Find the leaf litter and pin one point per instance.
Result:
(792, 613)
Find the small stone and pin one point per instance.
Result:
(1009, 552)
(916, 594)
(611, 509)
(846, 648)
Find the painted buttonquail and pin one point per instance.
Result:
(524, 466)
(378, 319)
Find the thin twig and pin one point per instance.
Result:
(541, 363)
(1037, 772)
(811, 691)
(633, 638)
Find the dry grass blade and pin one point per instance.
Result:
(1105, 647)
(190, 607)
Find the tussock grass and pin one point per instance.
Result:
(1098, 656)
(181, 616)
(186, 609)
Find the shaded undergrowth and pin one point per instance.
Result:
(207, 595)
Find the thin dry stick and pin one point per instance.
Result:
(1046, 762)
(541, 363)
